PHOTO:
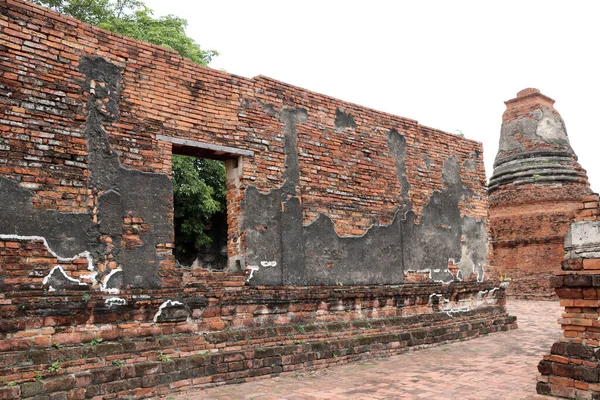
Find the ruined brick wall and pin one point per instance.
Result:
(572, 368)
(536, 188)
(324, 187)
(327, 202)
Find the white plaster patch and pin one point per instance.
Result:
(583, 240)
(434, 294)
(105, 281)
(91, 277)
(550, 129)
(479, 275)
(85, 254)
(252, 269)
(436, 270)
(266, 264)
(457, 310)
(115, 301)
(448, 307)
(59, 268)
(480, 299)
(168, 303)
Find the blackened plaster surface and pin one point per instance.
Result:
(119, 192)
(343, 120)
(397, 146)
(67, 234)
(438, 236)
(283, 251)
(122, 192)
(373, 258)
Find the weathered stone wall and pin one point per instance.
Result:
(572, 368)
(328, 203)
(536, 188)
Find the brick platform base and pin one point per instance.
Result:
(268, 331)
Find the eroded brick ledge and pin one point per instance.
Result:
(269, 332)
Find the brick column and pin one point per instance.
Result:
(573, 366)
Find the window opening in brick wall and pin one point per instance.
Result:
(220, 167)
(200, 212)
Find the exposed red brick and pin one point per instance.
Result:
(531, 206)
(112, 347)
(591, 263)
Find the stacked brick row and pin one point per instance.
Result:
(163, 372)
(572, 369)
(283, 337)
(218, 302)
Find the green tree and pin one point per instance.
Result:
(199, 194)
(132, 18)
(198, 184)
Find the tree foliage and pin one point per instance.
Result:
(198, 184)
(199, 194)
(132, 18)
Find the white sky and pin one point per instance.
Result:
(447, 64)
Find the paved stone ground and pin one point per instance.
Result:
(499, 366)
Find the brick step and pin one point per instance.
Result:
(161, 369)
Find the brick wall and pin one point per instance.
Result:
(320, 192)
(528, 237)
(347, 171)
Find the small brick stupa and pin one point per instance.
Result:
(535, 190)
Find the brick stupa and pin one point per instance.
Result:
(535, 190)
